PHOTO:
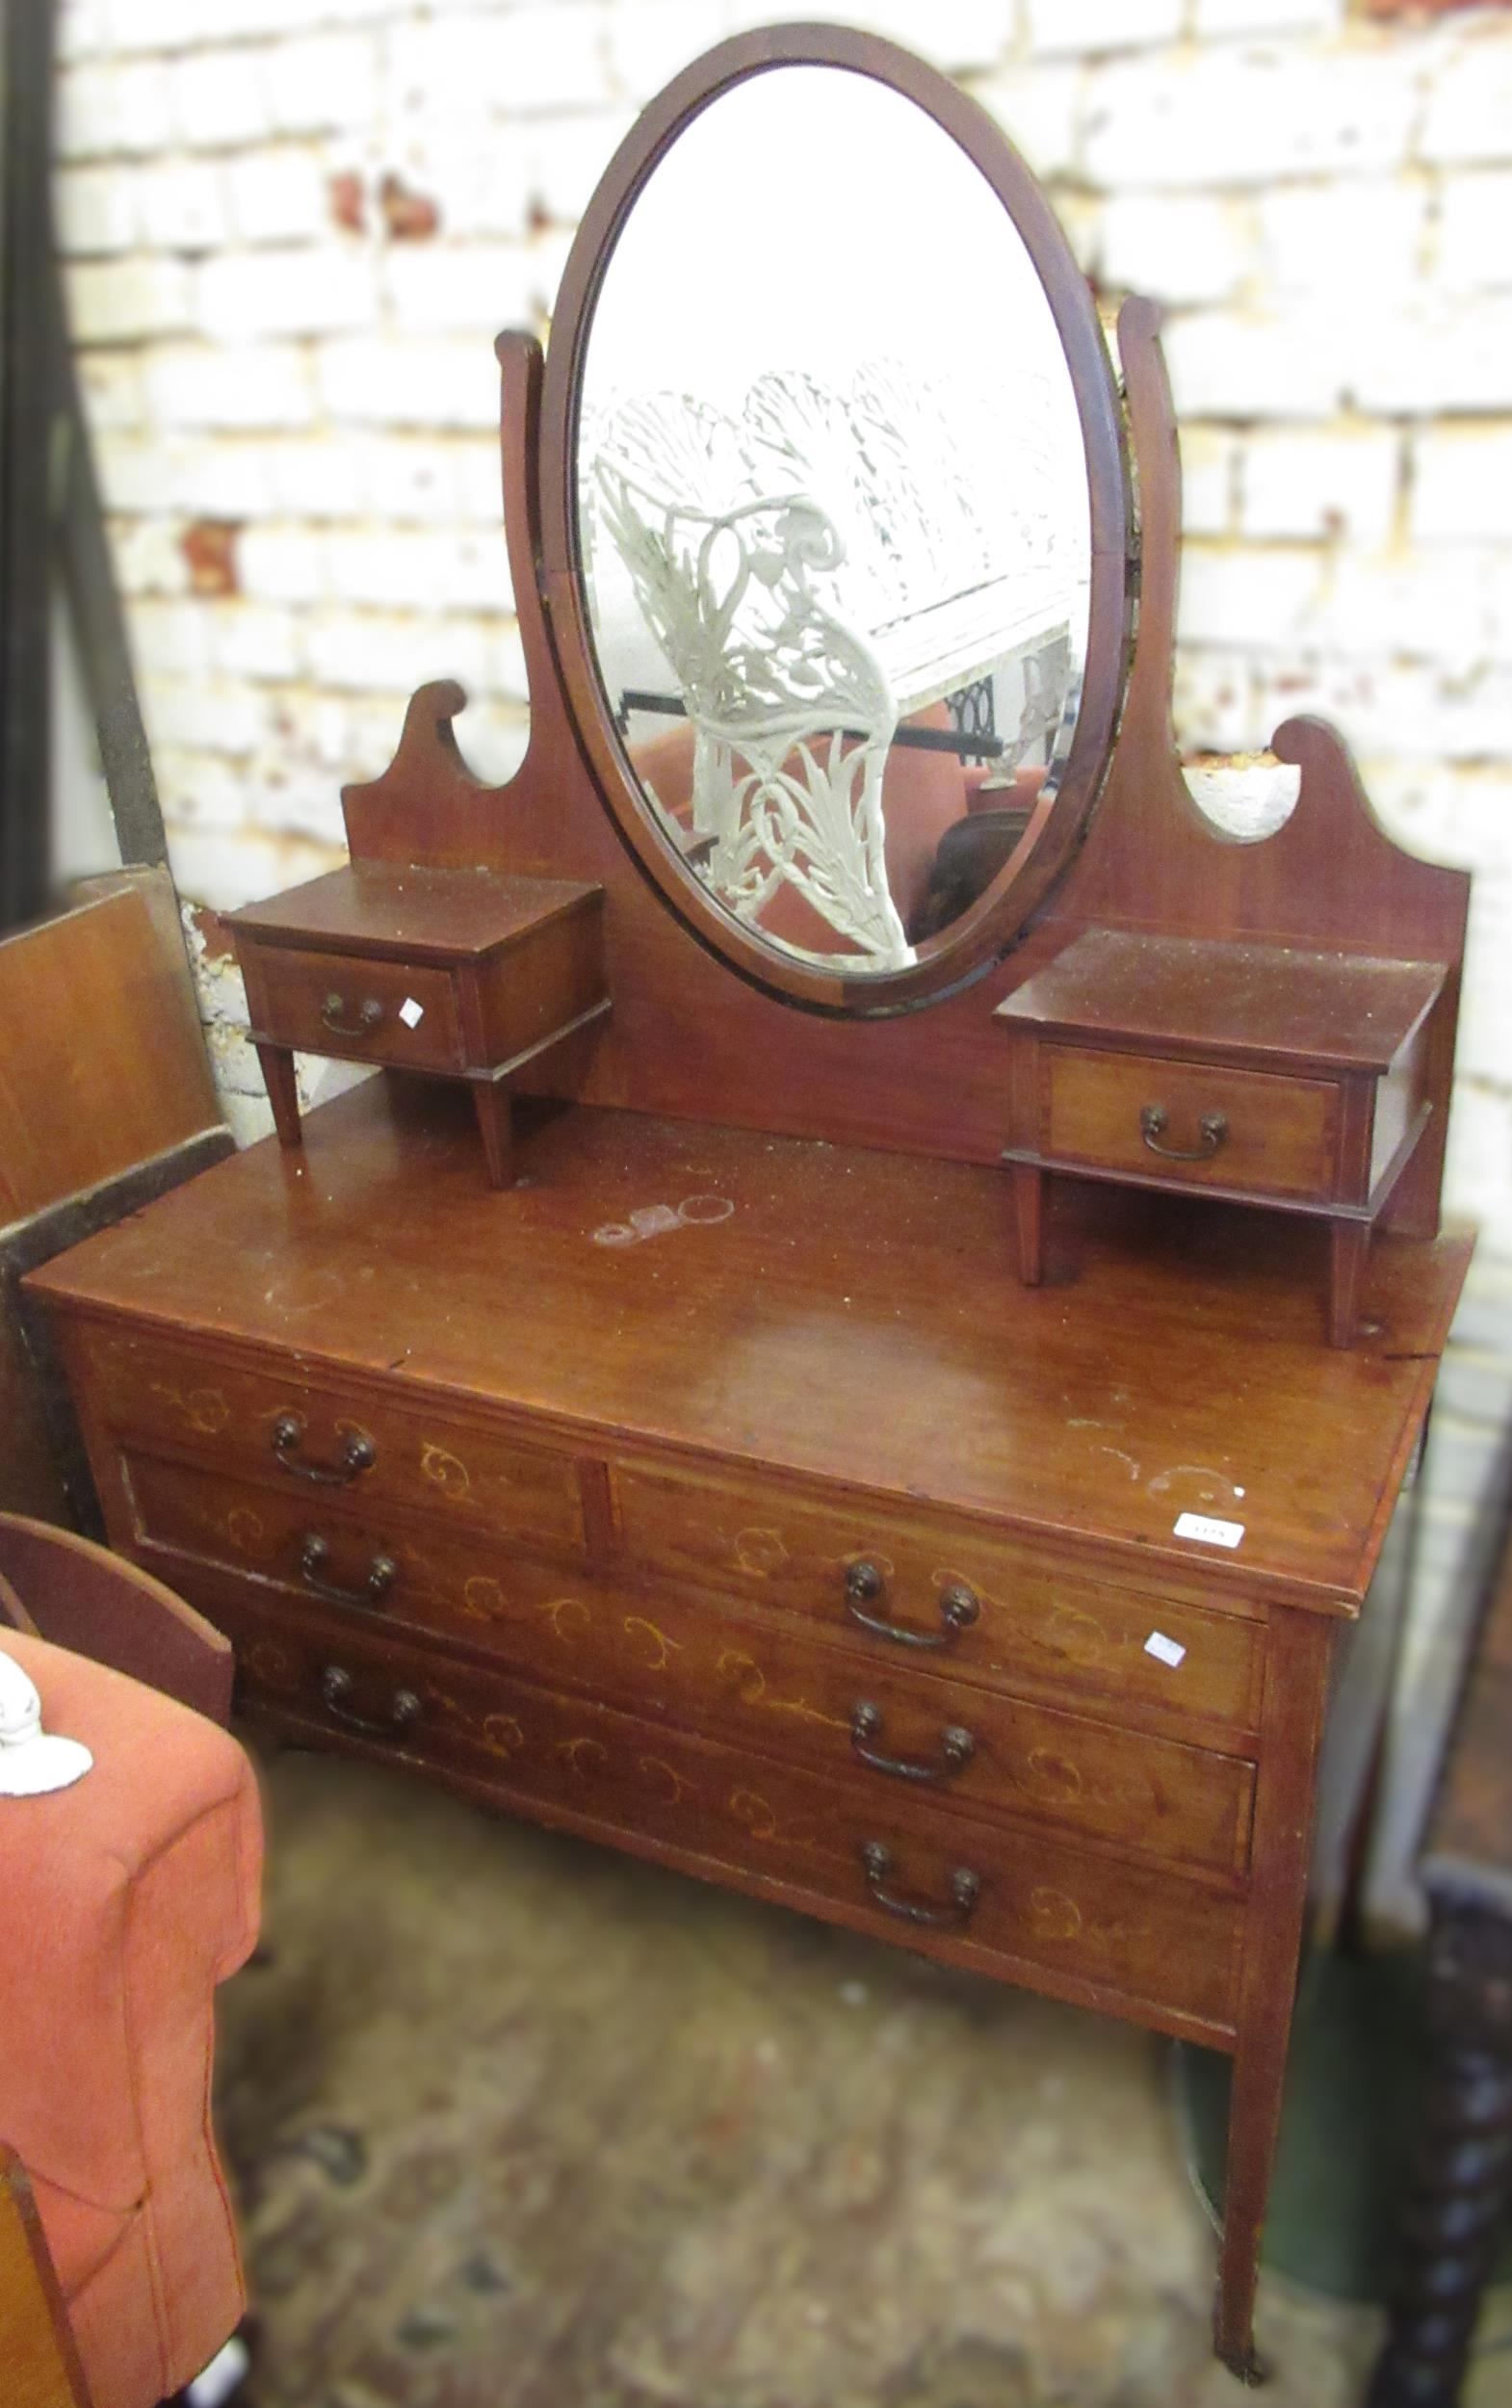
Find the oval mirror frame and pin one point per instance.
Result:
(990, 927)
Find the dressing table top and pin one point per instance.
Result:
(851, 1318)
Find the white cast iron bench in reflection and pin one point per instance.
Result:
(813, 573)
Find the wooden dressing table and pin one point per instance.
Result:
(718, 1491)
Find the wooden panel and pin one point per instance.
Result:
(291, 995)
(541, 984)
(703, 1664)
(1092, 1412)
(1279, 1141)
(415, 915)
(1060, 1918)
(224, 1414)
(1040, 1622)
(37, 2349)
(104, 1066)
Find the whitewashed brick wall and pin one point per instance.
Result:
(294, 226)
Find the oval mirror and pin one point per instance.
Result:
(835, 519)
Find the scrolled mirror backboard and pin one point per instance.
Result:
(838, 542)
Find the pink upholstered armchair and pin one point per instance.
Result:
(123, 1901)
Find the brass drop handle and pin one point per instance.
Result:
(956, 1749)
(336, 1685)
(370, 1013)
(358, 1455)
(1212, 1129)
(865, 1583)
(877, 1863)
(314, 1557)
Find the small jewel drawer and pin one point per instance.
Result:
(1210, 1124)
(402, 1014)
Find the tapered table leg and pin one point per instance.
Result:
(284, 1094)
(491, 1102)
(1462, 2176)
(1348, 1245)
(1029, 1202)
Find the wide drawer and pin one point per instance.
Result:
(705, 1664)
(1216, 1127)
(390, 1012)
(312, 1438)
(1022, 1618)
(1013, 1902)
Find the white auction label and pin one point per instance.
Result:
(1211, 1533)
(1167, 1650)
(411, 1012)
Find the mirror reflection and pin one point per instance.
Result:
(833, 516)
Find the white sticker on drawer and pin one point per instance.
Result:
(411, 1012)
(1211, 1533)
(1167, 1650)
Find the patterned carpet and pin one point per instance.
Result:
(517, 2124)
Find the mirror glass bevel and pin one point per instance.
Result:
(988, 927)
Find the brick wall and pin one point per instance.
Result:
(294, 226)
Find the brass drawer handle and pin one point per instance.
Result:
(370, 1014)
(336, 1688)
(315, 1555)
(877, 1863)
(358, 1455)
(956, 1749)
(1212, 1129)
(959, 1608)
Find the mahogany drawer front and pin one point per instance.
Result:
(345, 1003)
(1147, 1935)
(1033, 1621)
(1278, 1135)
(320, 1444)
(704, 1663)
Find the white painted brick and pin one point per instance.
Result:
(1470, 101)
(437, 289)
(254, 640)
(508, 64)
(111, 383)
(1443, 355)
(478, 179)
(1462, 484)
(564, 157)
(277, 196)
(102, 110)
(1214, 702)
(1477, 1171)
(170, 638)
(317, 476)
(547, 258)
(220, 97)
(132, 472)
(954, 35)
(1442, 605)
(480, 495)
(324, 289)
(1475, 213)
(649, 42)
(388, 382)
(229, 385)
(1207, 454)
(1220, 19)
(1320, 481)
(205, 714)
(1177, 247)
(225, 871)
(328, 729)
(418, 568)
(1256, 597)
(219, 479)
(1225, 365)
(161, 24)
(1039, 109)
(504, 677)
(181, 204)
(1357, 241)
(1242, 116)
(1057, 26)
(376, 651)
(281, 564)
(80, 29)
(293, 797)
(493, 740)
(326, 81)
(114, 301)
(148, 556)
(96, 210)
(415, 477)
